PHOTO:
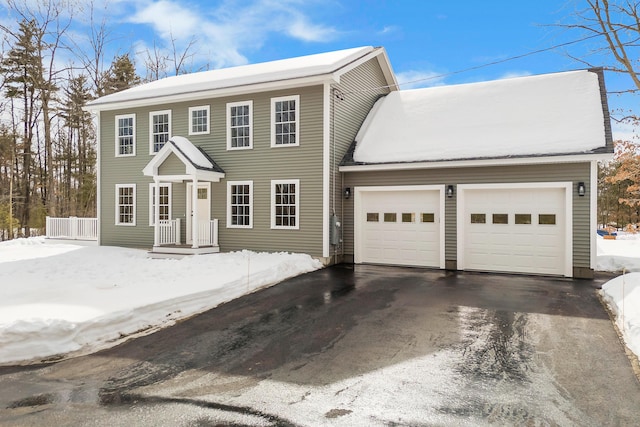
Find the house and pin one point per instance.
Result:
(238, 158)
(323, 154)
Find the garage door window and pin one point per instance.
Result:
(428, 217)
(408, 217)
(501, 218)
(547, 219)
(373, 217)
(477, 218)
(523, 219)
(390, 217)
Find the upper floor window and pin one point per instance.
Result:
(199, 120)
(126, 135)
(285, 116)
(239, 125)
(285, 204)
(125, 204)
(239, 204)
(159, 129)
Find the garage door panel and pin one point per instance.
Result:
(524, 244)
(407, 240)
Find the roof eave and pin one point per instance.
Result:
(479, 162)
(213, 93)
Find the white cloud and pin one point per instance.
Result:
(514, 74)
(388, 29)
(414, 79)
(225, 30)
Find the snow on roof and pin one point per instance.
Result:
(559, 113)
(192, 153)
(303, 66)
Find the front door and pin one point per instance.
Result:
(203, 204)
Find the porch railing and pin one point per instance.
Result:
(72, 228)
(169, 231)
(208, 233)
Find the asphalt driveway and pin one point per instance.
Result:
(355, 346)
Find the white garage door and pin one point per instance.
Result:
(399, 226)
(521, 230)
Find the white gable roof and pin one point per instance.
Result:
(285, 69)
(197, 163)
(550, 114)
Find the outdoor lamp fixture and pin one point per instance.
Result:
(449, 191)
(347, 192)
(581, 189)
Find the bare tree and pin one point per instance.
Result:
(617, 22)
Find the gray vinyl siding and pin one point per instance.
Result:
(571, 172)
(360, 89)
(172, 166)
(260, 164)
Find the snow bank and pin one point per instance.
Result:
(58, 300)
(622, 295)
(620, 254)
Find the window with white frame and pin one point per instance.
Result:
(199, 120)
(159, 129)
(285, 116)
(240, 204)
(239, 125)
(285, 204)
(165, 202)
(125, 204)
(126, 135)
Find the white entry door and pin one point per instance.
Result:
(399, 226)
(203, 203)
(515, 229)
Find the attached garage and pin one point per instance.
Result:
(523, 228)
(514, 164)
(400, 225)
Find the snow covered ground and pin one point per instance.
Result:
(60, 300)
(622, 294)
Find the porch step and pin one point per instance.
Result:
(182, 250)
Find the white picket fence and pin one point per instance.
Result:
(72, 228)
(208, 233)
(169, 232)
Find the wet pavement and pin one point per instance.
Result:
(364, 345)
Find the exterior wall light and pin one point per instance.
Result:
(347, 193)
(581, 189)
(449, 191)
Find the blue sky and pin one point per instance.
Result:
(426, 40)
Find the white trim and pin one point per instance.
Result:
(98, 178)
(274, 182)
(295, 98)
(117, 205)
(157, 113)
(568, 197)
(228, 126)
(195, 96)
(383, 60)
(574, 158)
(117, 131)
(207, 108)
(229, 194)
(326, 168)
(593, 215)
(152, 200)
(357, 206)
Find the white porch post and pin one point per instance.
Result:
(194, 214)
(156, 211)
